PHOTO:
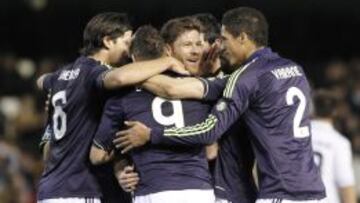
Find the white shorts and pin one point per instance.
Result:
(70, 200)
(218, 200)
(178, 196)
(290, 201)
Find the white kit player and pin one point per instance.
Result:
(332, 152)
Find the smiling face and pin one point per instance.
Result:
(188, 48)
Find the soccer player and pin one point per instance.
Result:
(332, 151)
(271, 95)
(232, 170)
(77, 94)
(173, 175)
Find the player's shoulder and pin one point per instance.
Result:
(280, 68)
(87, 64)
(341, 139)
(134, 96)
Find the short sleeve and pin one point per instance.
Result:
(97, 75)
(48, 80)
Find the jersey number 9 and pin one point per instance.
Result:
(177, 118)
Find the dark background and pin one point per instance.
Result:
(304, 30)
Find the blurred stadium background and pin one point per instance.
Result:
(38, 36)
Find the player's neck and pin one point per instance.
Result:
(101, 56)
(252, 50)
(326, 120)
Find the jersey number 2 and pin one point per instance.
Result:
(299, 132)
(59, 117)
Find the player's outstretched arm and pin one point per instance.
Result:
(175, 88)
(99, 156)
(138, 72)
(228, 109)
(204, 133)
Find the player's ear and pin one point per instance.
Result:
(107, 42)
(168, 50)
(242, 38)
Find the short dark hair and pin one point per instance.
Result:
(173, 28)
(211, 26)
(110, 24)
(247, 20)
(147, 43)
(325, 103)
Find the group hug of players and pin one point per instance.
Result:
(183, 122)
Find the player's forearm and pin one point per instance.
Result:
(135, 73)
(175, 88)
(157, 87)
(46, 151)
(187, 136)
(348, 194)
(224, 114)
(187, 88)
(120, 164)
(212, 151)
(99, 156)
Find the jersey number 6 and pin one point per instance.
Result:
(58, 101)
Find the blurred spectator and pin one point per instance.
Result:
(13, 187)
(332, 151)
(10, 81)
(355, 96)
(336, 74)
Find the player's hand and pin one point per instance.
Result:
(127, 178)
(136, 135)
(210, 61)
(176, 66)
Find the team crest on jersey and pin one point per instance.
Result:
(221, 105)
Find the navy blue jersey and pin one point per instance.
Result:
(110, 188)
(272, 96)
(232, 169)
(76, 104)
(160, 168)
(214, 87)
(232, 173)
